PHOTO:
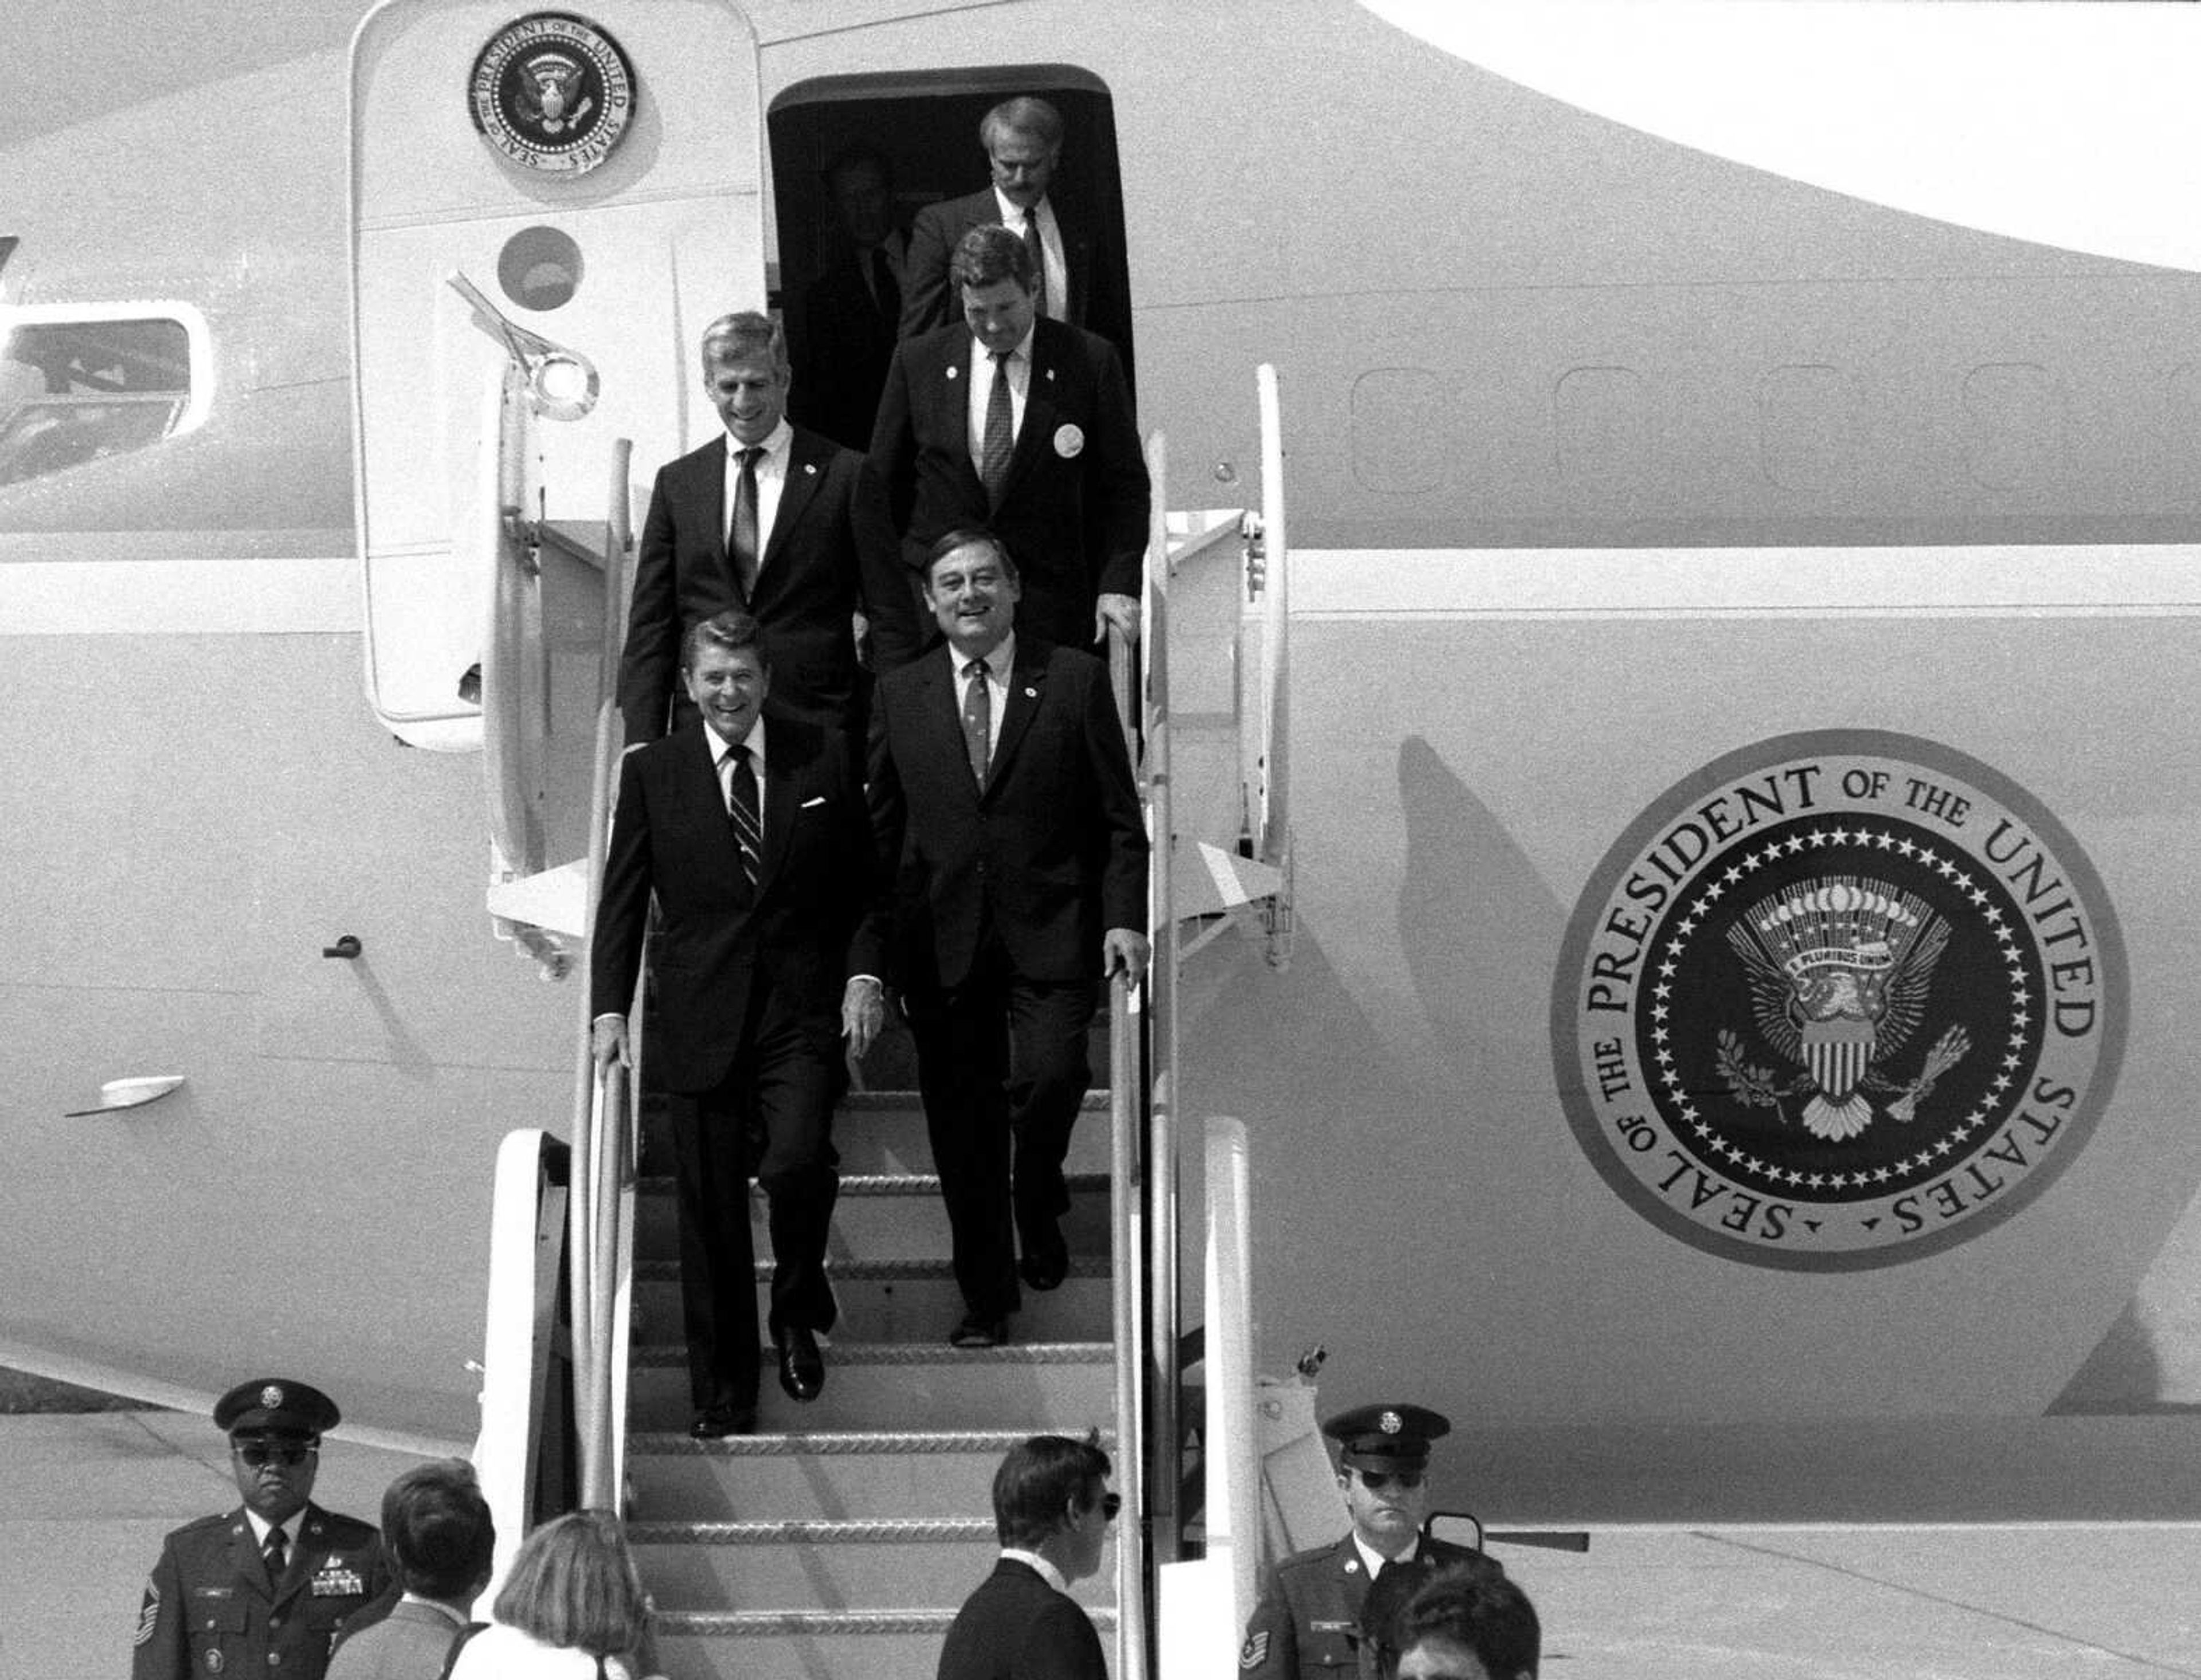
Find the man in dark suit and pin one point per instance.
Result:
(755, 843)
(1021, 425)
(1081, 281)
(772, 520)
(1051, 1509)
(844, 333)
(441, 1539)
(1308, 1618)
(1002, 797)
(271, 1585)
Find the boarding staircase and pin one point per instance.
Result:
(840, 1539)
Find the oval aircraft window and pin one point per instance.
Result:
(539, 269)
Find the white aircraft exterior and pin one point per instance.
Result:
(1665, 501)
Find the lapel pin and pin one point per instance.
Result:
(953, 371)
(1050, 376)
(1031, 694)
(810, 468)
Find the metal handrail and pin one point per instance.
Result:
(1163, 1294)
(602, 1151)
(1123, 1106)
(1274, 604)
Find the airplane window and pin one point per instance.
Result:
(78, 391)
(539, 269)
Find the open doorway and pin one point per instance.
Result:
(919, 132)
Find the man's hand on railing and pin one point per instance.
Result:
(863, 1012)
(1116, 611)
(607, 1041)
(1126, 951)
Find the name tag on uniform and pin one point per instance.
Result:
(1332, 1627)
(334, 1581)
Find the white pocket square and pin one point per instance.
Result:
(807, 803)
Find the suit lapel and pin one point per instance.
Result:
(780, 797)
(804, 474)
(1027, 685)
(706, 496)
(1041, 410)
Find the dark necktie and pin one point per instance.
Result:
(884, 288)
(741, 807)
(1032, 244)
(742, 544)
(277, 1552)
(1000, 439)
(979, 720)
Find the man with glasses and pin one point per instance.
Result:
(1051, 1509)
(270, 1585)
(1307, 1621)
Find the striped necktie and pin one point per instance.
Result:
(999, 440)
(741, 807)
(978, 720)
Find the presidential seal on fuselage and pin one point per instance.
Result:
(552, 91)
(1838, 1000)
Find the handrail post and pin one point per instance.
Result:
(1131, 1636)
(600, 1098)
(1275, 603)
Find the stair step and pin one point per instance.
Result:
(900, 1300)
(883, 1131)
(816, 1645)
(879, 1216)
(864, 1564)
(843, 1475)
(1067, 1386)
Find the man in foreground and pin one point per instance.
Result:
(755, 845)
(1051, 1509)
(441, 1540)
(1003, 801)
(268, 1587)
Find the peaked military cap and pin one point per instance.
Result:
(274, 1406)
(1386, 1437)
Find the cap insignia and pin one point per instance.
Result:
(1390, 1423)
(271, 1397)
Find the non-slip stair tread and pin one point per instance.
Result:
(891, 1270)
(793, 1443)
(813, 1530)
(917, 1353)
(877, 1183)
(896, 1102)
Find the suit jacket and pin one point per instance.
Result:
(1100, 290)
(411, 1643)
(813, 919)
(1311, 1601)
(842, 345)
(829, 551)
(1052, 851)
(1073, 509)
(1017, 1627)
(210, 1608)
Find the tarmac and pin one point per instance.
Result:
(85, 1498)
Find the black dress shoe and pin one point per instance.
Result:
(1046, 1261)
(977, 1330)
(801, 1367)
(716, 1423)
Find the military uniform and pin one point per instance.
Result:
(213, 1606)
(210, 1608)
(1310, 1609)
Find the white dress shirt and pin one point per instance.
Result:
(1050, 245)
(1045, 1571)
(722, 756)
(770, 477)
(982, 393)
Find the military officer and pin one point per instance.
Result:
(1307, 1621)
(265, 1589)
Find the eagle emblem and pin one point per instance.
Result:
(1839, 969)
(271, 1397)
(549, 93)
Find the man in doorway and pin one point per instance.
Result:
(772, 520)
(1016, 424)
(1305, 1624)
(844, 332)
(1051, 1509)
(1005, 810)
(1081, 282)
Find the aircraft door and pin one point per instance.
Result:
(594, 181)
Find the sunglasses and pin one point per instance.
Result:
(259, 1453)
(1110, 1505)
(1404, 1480)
